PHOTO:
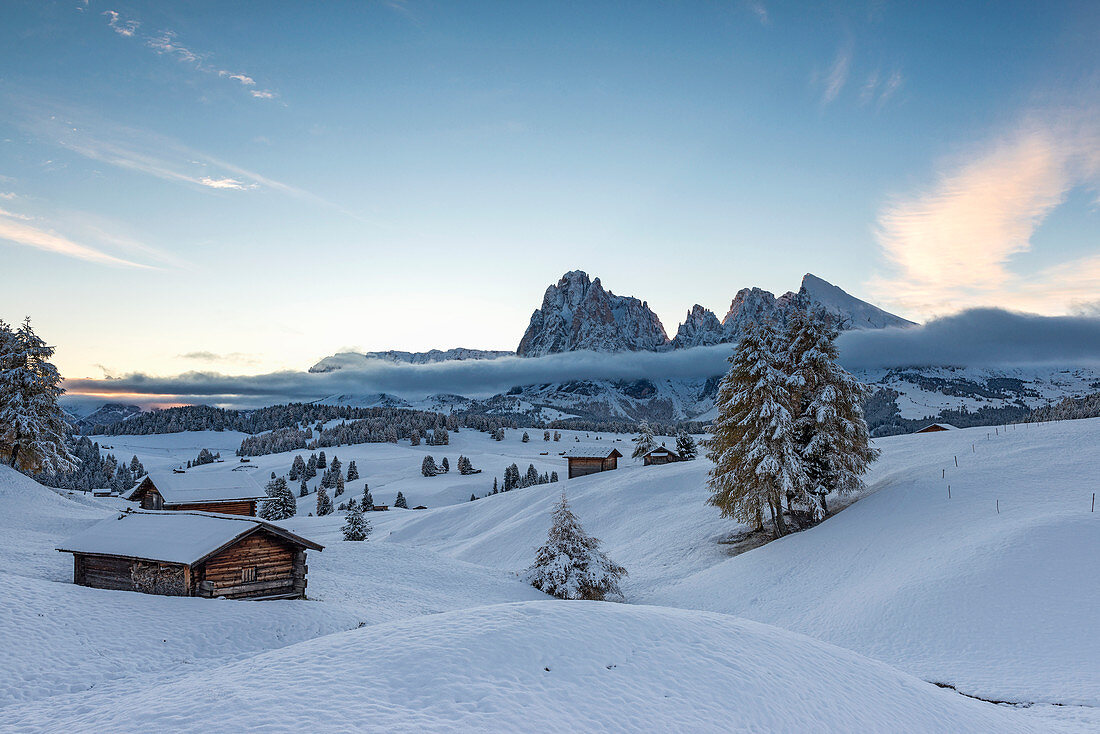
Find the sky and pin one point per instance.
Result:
(245, 188)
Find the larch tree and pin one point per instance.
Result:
(645, 441)
(570, 565)
(830, 429)
(753, 446)
(32, 426)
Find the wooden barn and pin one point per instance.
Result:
(660, 455)
(230, 493)
(937, 427)
(583, 461)
(191, 554)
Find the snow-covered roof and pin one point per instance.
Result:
(944, 426)
(662, 450)
(591, 453)
(180, 488)
(170, 536)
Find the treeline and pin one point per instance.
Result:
(258, 420)
(674, 428)
(1069, 409)
(417, 426)
(94, 471)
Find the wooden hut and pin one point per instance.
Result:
(937, 427)
(191, 554)
(584, 461)
(230, 493)
(660, 455)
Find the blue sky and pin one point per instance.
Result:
(245, 187)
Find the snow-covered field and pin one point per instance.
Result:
(427, 627)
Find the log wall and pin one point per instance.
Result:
(280, 570)
(126, 574)
(242, 507)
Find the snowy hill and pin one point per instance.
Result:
(426, 627)
(550, 666)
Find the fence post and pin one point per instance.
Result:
(998, 507)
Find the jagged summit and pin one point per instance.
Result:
(578, 313)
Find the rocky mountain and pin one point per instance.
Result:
(106, 415)
(356, 359)
(851, 312)
(701, 328)
(578, 313)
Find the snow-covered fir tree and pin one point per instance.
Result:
(753, 446)
(444, 466)
(324, 503)
(356, 527)
(280, 503)
(33, 430)
(645, 441)
(297, 469)
(303, 490)
(322, 462)
(353, 471)
(532, 476)
(414, 439)
(830, 430)
(553, 476)
(428, 467)
(557, 436)
(685, 446)
(368, 500)
(526, 437)
(570, 565)
(400, 501)
(473, 496)
(339, 485)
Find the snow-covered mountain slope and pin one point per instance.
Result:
(106, 415)
(353, 360)
(850, 312)
(950, 590)
(577, 313)
(546, 666)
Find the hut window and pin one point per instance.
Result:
(248, 574)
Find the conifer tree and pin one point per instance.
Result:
(428, 467)
(570, 565)
(339, 485)
(645, 441)
(400, 501)
(324, 504)
(546, 435)
(322, 462)
(753, 447)
(414, 439)
(353, 471)
(368, 501)
(685, 446)
(557, 436)
(532, 477)
(297, 469)
(553, 476)
(356, 527)
(830, 430)
(304, 489)
(526, 438)
(473, 496)
(445, 466)
(33, 429)
(137, 469)
(280, 503)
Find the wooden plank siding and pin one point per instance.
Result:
(240, 507)
(127, 574)
(581, 466)
(279, 569)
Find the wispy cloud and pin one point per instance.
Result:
(758, 9)
(237, 357)
(7, 195)
(166, 43)
(122, 27)
(834, 79)
(18, 229)
(878, 91)
(951, 245)
(226, 183)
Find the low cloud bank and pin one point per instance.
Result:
(979, 337)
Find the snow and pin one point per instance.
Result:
(510, 668)
(202, 485)
(168, 536)
(427, 626)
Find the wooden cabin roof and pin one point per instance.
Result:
(592, 453)
(938, 427)
(172, 537)
(181, 488)
(663, 450)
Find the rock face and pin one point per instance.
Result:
(578, 313)
(701, 328)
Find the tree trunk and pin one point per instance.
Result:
(14, 455)
(824, 507)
